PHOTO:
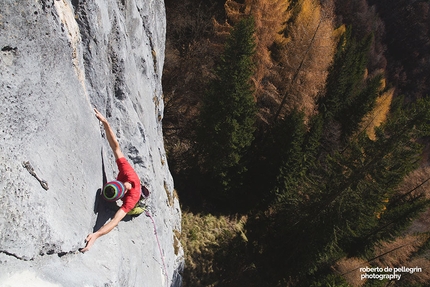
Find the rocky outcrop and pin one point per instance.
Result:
(58, 60)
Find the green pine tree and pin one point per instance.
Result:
(349, 201)
(348, 96)
(227, 118)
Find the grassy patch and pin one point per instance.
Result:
(204, 237)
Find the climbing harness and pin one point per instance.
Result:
(159, 246)
(30, 169)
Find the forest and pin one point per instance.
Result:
(297, 133)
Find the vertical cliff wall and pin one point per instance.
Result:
(58, 60)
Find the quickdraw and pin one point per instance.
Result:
(30, 169)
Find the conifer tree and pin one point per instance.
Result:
(293, 147)
(284, 155)
(349, 94)
(348, 199)
(228, 112)
(349, 202)
(270, 17)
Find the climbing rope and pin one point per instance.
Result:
(159, 247)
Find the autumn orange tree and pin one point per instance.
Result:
(190, 58)
(304, 54)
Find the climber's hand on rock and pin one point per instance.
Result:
(90, 241)
(99, 116)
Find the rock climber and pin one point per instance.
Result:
(126, 187)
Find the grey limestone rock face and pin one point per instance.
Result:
(58, 60)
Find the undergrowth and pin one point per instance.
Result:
(204, 239)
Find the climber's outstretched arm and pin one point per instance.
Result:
(110, 135)
(119, 215)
